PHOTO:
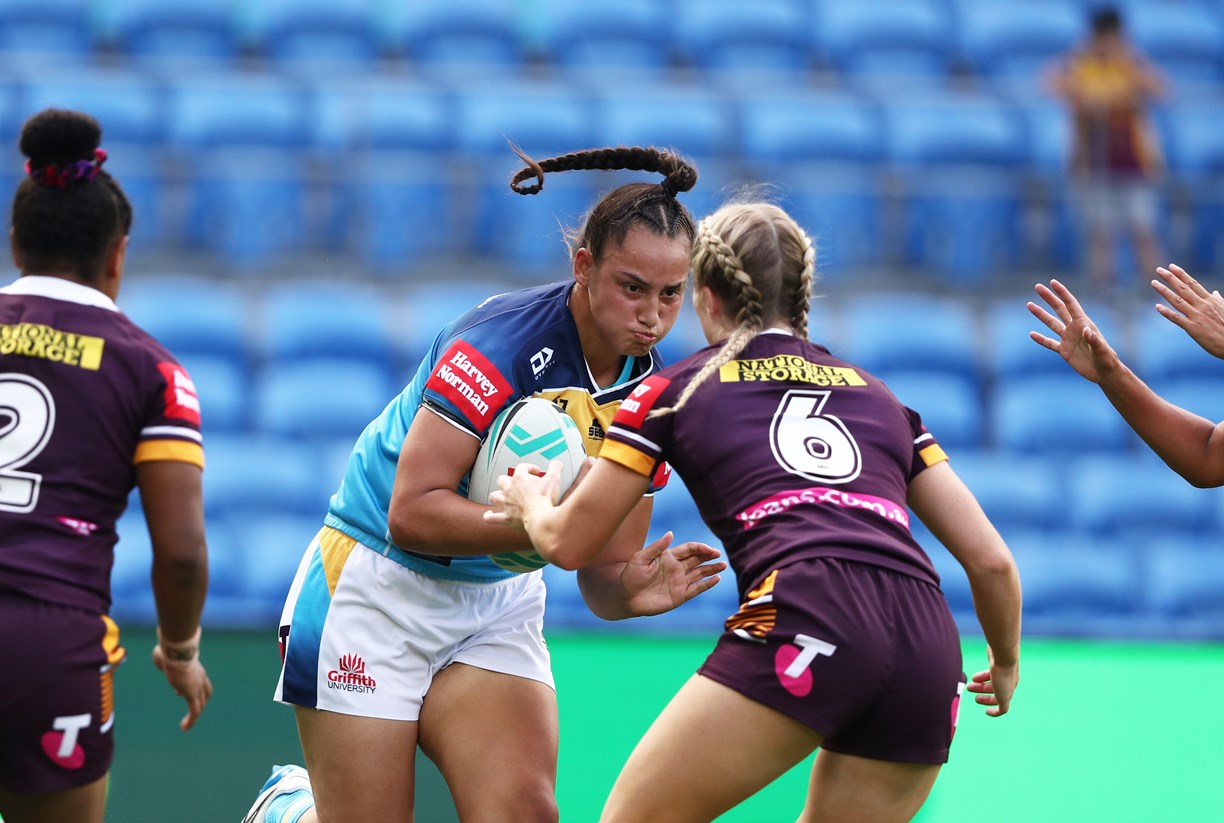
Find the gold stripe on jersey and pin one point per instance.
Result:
(175, 451)
(757, 615)
(629, 457)
(46, 343)
(592, 418)
(790, 368)
(334, 549)
(932, 454)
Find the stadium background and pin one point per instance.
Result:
(320, 185)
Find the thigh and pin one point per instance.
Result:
(83, 804)
(361, 768)
(56, 718)
(710, 749)
(849, 789)
(494, 738)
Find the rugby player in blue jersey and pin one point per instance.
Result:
(399, 631)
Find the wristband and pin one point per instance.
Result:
(181, 653)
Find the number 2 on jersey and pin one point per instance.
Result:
(27, 416)
(811, 444)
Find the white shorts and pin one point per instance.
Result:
(363, 635)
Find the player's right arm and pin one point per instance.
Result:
(170, 492)
(1191, 445)
(427, 514)
(947, 507)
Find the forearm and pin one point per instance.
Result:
(996, 600)
(180, 583)
(1191, 445)
(603, 593)
(443, 523)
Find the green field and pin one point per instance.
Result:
(1100, 731)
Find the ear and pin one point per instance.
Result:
(583, 263)
(713, 305)
(112, 275)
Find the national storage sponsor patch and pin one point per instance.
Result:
(637, 405)
(182, 402)
(37, 340)
(467, 379)
(789, 368)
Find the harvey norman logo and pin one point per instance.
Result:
(465, 377)
(351, 676)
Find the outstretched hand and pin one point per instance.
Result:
(658, 578)
(1078, 340)
(1198, 312)
(995, 686)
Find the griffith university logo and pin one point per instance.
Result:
(351, 676)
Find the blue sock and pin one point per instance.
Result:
(289, 808)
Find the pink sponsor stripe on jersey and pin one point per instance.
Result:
(816, 495)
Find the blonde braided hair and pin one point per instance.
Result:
(752, 254)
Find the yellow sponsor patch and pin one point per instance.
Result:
(46, 343)
(790, 368)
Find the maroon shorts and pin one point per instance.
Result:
(867, 657)
(56, 695)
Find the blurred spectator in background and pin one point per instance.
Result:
(1115, 158)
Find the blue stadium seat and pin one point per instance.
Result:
(1016, 492)
(1055, 415)
(1185, 581)
(1195, 150)
(478, 38)
(171, 36)
(1013, 37)
(885, 43)
(607, 41)
(130, 576)
(319, 37)
(127, 104)
(223, 387)
(961, 129)
(1134, 498)
(321, 397)
(1077, 585)
(236, 109)
(950, 404)
(779, 128)
(429, 306)
(1203, 396)
(372, 113)
(765, 41)
(272, 550)
(913, 331)
(327, 319)
(544, 120)
(1163, 351)
(249, 475)
(1184, 40)
(191, 315)
(952, 580)
(39, 34)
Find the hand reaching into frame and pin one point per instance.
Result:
(661, 577)
(995, 686)
(1078, 340)
(1198, 312)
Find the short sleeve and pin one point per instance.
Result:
(927, 451)
(471, 379)
(638, 441)
(171, 429)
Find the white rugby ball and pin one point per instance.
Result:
(530, 430)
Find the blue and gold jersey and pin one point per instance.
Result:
(520, 344)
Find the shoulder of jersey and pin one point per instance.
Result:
(529, 430)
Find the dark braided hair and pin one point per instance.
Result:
(67, 212)
(651, 204)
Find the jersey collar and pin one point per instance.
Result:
(57, 288)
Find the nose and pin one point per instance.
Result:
(648, 314)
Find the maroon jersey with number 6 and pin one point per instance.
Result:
(789, 452)
(85, 395)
